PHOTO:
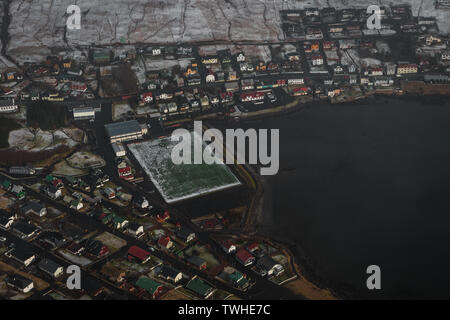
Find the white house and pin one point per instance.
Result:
(210, 77)
(8, 106)
(228, 246)
(240, 57)
(135, 229)
(51, 268)
(317, 60)
(118, 149)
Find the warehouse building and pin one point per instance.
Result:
(22, 170)
(83, 113)
(125, 131)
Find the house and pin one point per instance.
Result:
(226, 96)
(51, 268)
(18, 191)
(247, 84)
(169, 274)
(93, 287)
(210, 77)
(253, 96)
(407, 68)
(445, 56)
(8, 106)
(56, 182)
(228, 246)
(317, 60)
(146, 98)
(152, 287)
(269, 266)
(76, 248)
(101, 56)
(110, 193)
(125, 173)
(138, 254)
(52, 191)
(300, 91)
(113, 273)
(232, 86)
(22, 254)
(35, 208)
(199, 287)
(19, 283)
(244, 257)
(253, 247)
(238, 279)
(119, 149)
(141, 202)
(5, 184)
(119, 222)
(198, 262)
(25, 230)
(240, 57)
(165, 242)
(96, 248)
(135, 229)
(76, 204)
(164, 217)
(7, 219)
(186, 234)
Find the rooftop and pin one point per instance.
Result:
(122, 128)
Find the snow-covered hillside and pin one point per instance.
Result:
(39, 24)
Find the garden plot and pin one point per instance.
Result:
(111, 241)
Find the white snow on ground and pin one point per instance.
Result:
(120, 109)
(39, 24)
(38, 140)
(153, 65)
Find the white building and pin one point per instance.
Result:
(119, 149)
(8, 106)
(317, 60)
(83, 113)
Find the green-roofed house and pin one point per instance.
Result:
(152, 287)
(200, 287)
(6, 184)
(238, 279)
(119, 222)
(108, 218)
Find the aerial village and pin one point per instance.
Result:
(74, 186)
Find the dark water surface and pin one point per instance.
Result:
(366, 184)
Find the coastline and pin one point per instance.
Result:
(309, 284)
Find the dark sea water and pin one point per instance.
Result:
(366, 184)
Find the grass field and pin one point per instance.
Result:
(183, 181)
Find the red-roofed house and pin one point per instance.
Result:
(146, 97)
(139, 254)
(228, 246)
(244, 257)
(165, 242)
(164, 217)
(252, 247)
